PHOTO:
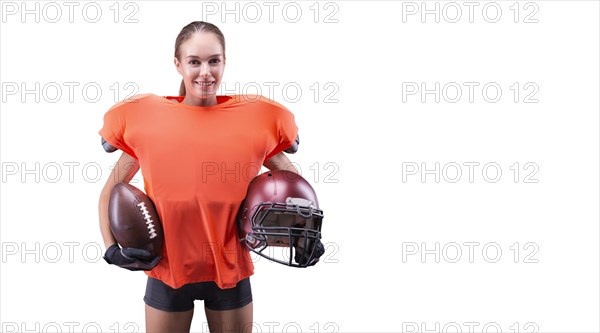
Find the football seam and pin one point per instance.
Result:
(148, 218)
(145, 215)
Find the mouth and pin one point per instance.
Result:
(205, 83)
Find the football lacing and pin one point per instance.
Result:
(148, 219)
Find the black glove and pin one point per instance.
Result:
(301, 257)
(130, 258)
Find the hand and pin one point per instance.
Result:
(302, 257)
(130, 258)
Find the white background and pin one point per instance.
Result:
(373, 276)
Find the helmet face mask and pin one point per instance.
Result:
(292, 224)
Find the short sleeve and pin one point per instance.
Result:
(287, 130)
(113, 130)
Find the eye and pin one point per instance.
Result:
(193, 61)
(215, 61)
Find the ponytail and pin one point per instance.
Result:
(182, 89)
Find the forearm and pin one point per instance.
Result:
(124, 170)
(107, 235)
(280, 162)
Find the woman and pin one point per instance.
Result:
(197, 153)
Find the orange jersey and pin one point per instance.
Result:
(197, 163)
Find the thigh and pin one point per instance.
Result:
(159, 321)
(168, 309)
(218, 299)
(162, 297)
(235, 320)
(229, 310)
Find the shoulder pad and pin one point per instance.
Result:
(107, 146)
(294, 147)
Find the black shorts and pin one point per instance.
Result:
(162, 297)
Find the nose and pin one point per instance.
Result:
(204, 70)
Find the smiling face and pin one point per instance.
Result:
(201, 64)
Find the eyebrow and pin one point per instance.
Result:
(212, 56)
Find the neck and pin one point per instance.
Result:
(209, 101)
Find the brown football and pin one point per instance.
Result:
(133, 219)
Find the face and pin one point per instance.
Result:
(201, 65)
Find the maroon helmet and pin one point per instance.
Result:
(281, 210)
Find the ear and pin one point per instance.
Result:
(177, 65)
